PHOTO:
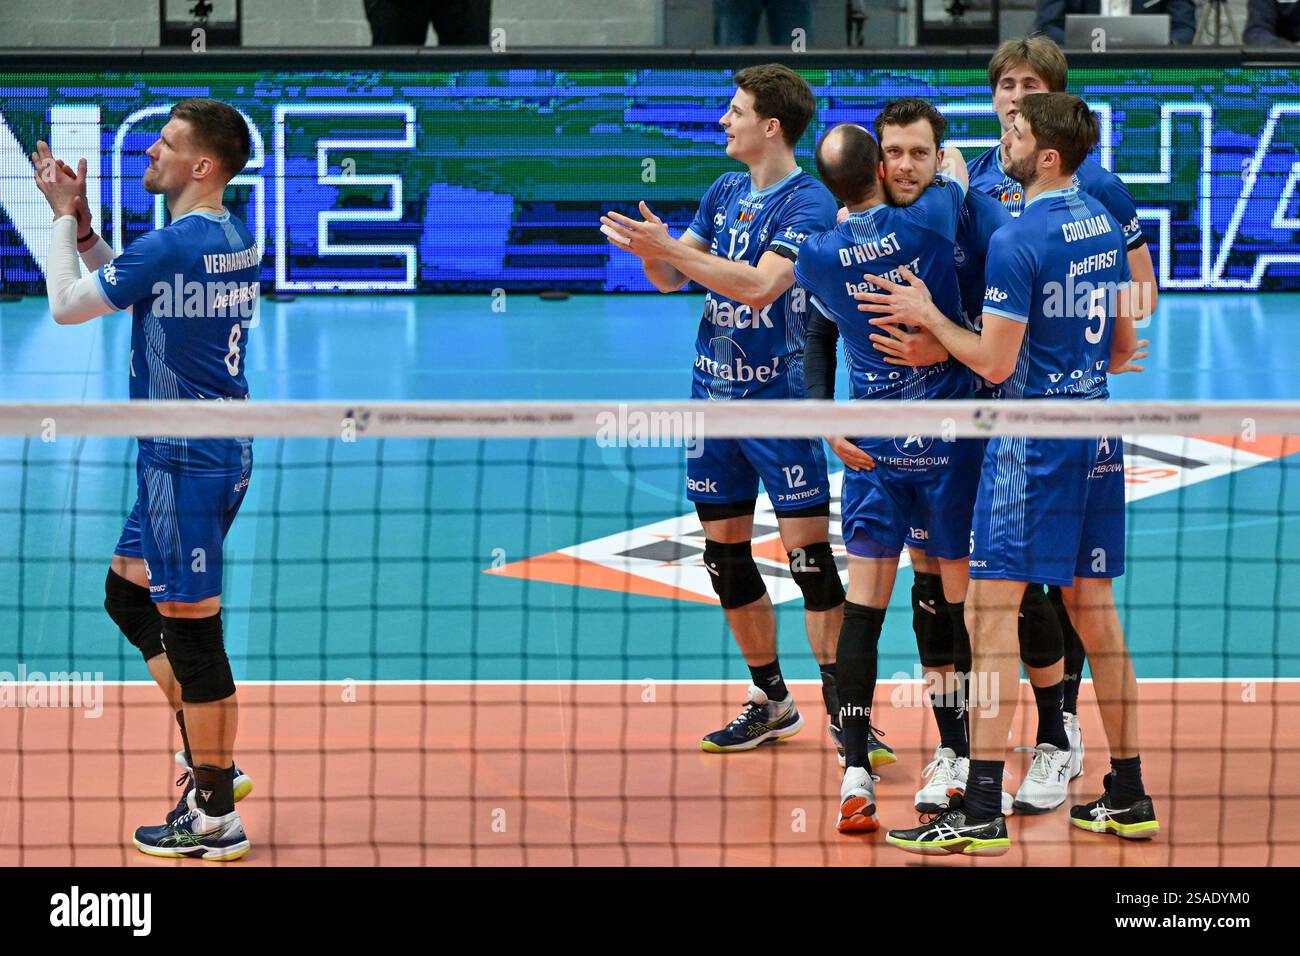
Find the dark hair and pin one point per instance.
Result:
(1063, 122)
(217, 128)
(908, 110)
(1041, 55)
(850, 174)
(782, 94)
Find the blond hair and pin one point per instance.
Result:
(1042, 56)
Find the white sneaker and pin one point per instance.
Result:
(944, 776)
(857, 802)
(1075, 733)
(1047, 783)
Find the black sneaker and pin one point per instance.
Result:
(1136, 821)
(952, 832)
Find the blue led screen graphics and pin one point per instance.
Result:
(474, 180)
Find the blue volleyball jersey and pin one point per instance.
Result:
(1058, 268)
(192, 288)
(740, 354)
(981, 216)
(922, 237)
(988, 176)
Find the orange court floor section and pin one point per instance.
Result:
(611, 774)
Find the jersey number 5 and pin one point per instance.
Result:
(1096, 310)
(232, 357)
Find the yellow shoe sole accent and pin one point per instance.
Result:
(708, 746)
(174, 855)
(238, 854)
(881, 758)
(243, 790)
(1129, 831)
(962, 845)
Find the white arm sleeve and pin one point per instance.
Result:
(74, 298)
(100, 254)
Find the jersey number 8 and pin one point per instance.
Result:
(232, 357)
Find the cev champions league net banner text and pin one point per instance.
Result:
(473, 180)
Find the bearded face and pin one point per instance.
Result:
(1023, 169)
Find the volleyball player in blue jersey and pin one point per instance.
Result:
(1019, 68)
(1048, 510)
(192, 290)
(911, 151)
(911, 475)
(910, 131)
(742, 247)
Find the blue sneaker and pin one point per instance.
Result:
(197, 836)
(761, 720)
(243, 787)
(879, 753)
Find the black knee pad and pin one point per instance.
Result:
(1041, 641)
(197, 654)
(1074, 652)
(133, 611)
(961, 652)
(813, 568)
(733, 573)
(930, 621)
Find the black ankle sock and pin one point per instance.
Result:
(214, 789)
(1126, 780)
(768, 679)
(185, 738)
(1070, 692)
(855, 677)
(829, 695)
(949, 714)
(1051, 723)
(983, 799)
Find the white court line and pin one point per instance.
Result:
(598, 683)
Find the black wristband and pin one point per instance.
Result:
(86, 237)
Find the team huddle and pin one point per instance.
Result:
(1022, 275)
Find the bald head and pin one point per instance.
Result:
(847, 159)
